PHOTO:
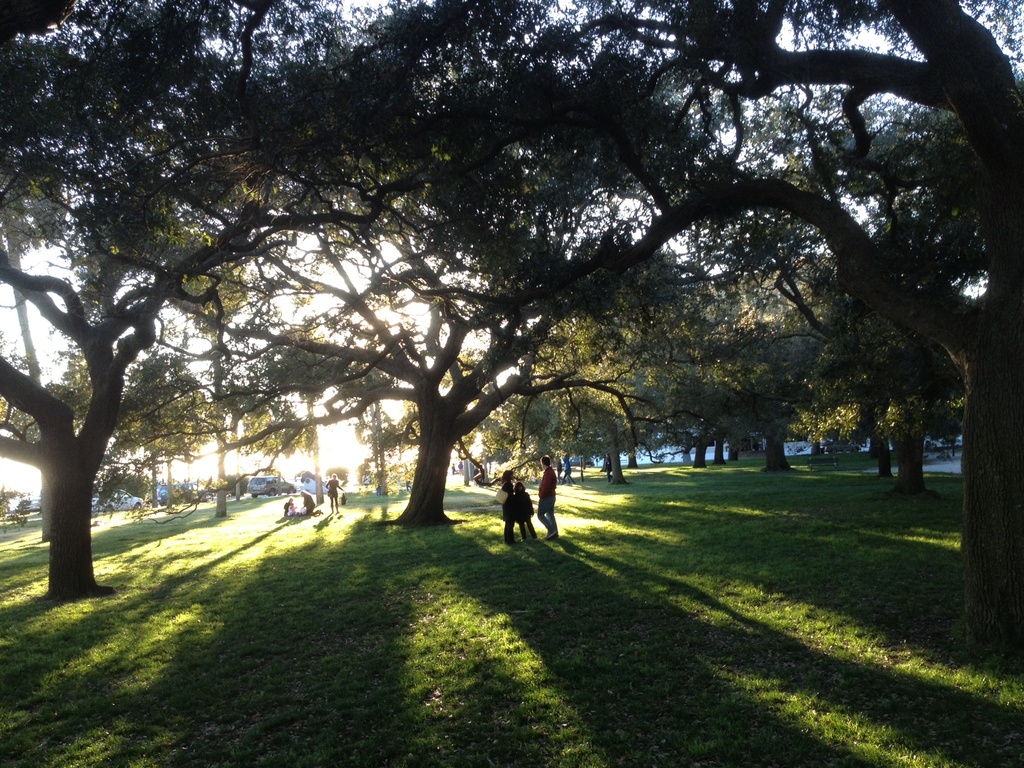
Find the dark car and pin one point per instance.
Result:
(269, 485)
(185, 493)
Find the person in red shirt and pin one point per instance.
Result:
(546, 498)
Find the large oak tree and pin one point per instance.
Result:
(837, 159)
(139, 128)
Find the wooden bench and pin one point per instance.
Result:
(822, 462)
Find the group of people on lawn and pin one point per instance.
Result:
(517, 507)
(334, 491)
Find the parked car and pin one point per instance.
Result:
(118, 501)
(269, 485)
(183, 493)
(30, 504)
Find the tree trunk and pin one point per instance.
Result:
(700, 453)
(70, 490)
(317, 474)
(910, 464)
(993, 454)
(437, 439)
(45, 514)
(880, 450)
(734, 450)
(775, 456)
(617, 477)
(719, 451)
(632, 440)
(379, 459)
(221, 510)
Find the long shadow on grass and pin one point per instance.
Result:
(310, 661)
(680, 675)
(363, 645)
(833, 542)
(194, 670)
(321, 661)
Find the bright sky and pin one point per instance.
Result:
(19, 477)
(339, 446)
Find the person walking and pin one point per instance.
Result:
(567, 470)
(333, 485)
(523, 508)
(508, 507)
(546, 498)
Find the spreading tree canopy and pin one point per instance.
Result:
(844, 118)
(132, 129)
(511, 150)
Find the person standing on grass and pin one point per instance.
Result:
(332, 491)
(546, 498)
(508, 507)
(523, 507)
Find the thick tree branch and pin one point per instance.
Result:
(32, 17)
(30, 397)
(975, 77)
(859, 264)
(21, 451)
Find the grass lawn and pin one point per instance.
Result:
(719, 617)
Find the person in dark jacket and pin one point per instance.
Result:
(308, 503)
(333, 486)
(523, 506)
(508, 513)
